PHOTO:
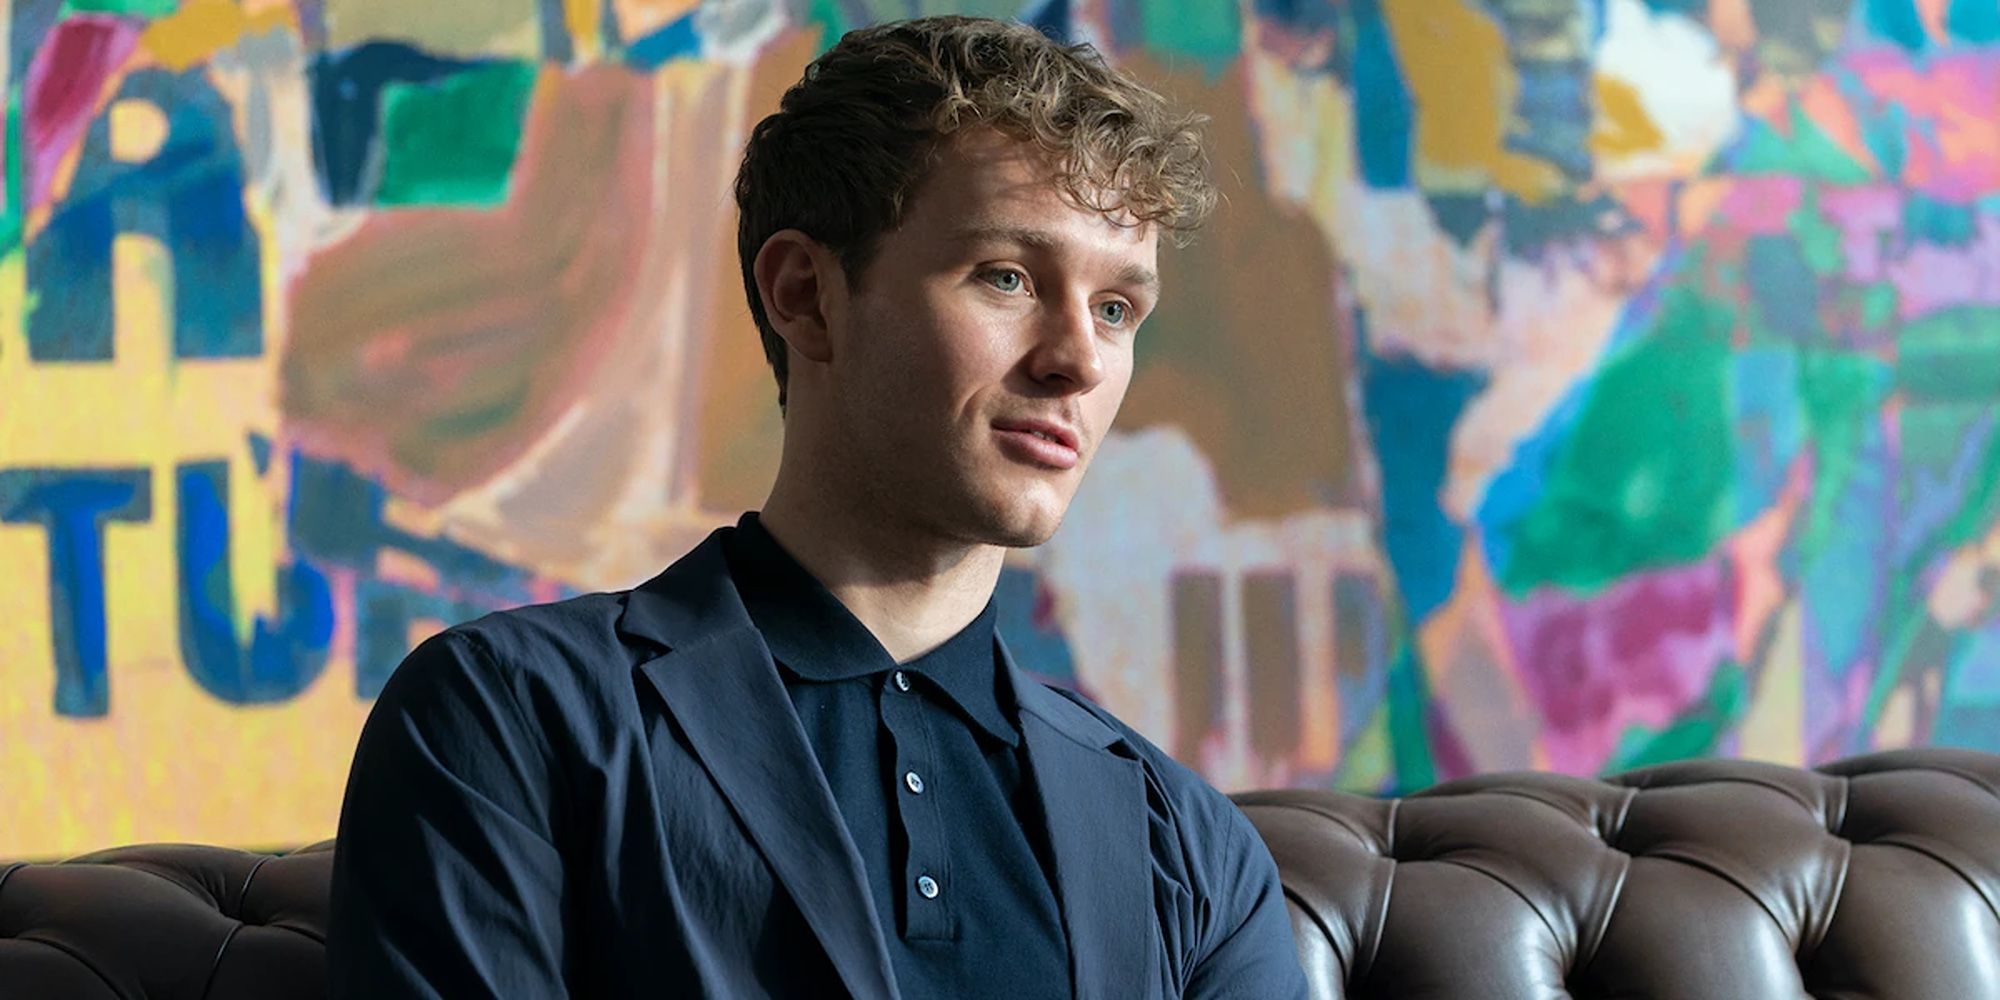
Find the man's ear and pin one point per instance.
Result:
(797, 278)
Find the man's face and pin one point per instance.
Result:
(996, 306)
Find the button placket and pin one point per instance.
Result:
(927, 865)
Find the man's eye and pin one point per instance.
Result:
(1114, 313)
(1004, 279)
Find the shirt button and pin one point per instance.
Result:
(915, 781)
(928, 886)
(902, 681)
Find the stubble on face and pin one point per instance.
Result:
(930, 358)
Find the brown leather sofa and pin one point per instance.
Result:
(1875, 877)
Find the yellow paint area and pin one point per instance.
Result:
(170, 761)
(1456, 63)
(585, 21)
(1775, 728)
(1623, 127)
(138, 130)
(498, 28)
(637, 18)
(200, 28)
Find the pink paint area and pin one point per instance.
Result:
(68, 76)
(1866, 215)
(1759, 205)
(1641, 652)
(1952, 100)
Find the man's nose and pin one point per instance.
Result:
(1070, 349)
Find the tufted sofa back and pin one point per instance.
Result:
(166, 921)
(1877, 876)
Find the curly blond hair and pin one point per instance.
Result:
(855, 136)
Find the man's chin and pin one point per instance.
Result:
(1010, 520)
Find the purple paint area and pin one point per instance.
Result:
(1930, 276)
(1867, 215)
(68, 75)
(1640, 652)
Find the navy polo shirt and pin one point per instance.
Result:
(931, 776)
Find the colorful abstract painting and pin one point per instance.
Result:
(1563, 384)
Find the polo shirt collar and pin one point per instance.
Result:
(813, 636)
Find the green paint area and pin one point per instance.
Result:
(1207, 31)
(1951, 356)
(130, 8)
(1818, 239)
(1645, 478)
(454, 141)
(1933, 442)
(836, 18)
(1806, 153)
(1408, 696)
(1368, 765)
(1698, 733)
(1842, 393)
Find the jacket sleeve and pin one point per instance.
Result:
(1247, 948)
(446, 877)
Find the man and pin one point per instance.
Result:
(800, 762)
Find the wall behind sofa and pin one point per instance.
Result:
(1563, 384)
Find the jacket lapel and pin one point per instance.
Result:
(1095, 803)
(718, 680)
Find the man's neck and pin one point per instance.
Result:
(912, 591)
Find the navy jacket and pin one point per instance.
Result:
(612, 796)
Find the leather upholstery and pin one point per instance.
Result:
(165, 922)
(1874, 877)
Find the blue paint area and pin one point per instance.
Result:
(1972, 678)
(1974, 727)
(1459, 216)
(385, 612)
(1895, 21)
(1770, 425)
(73, 506)
(1784, 292)
(1940, 450)
(1839, 584)
(1045, 652)
(189, 196)
(1694, 9)
(1300, 16)
(285, 656)
(336, 518)
(1361, 651)
(1383, 114)
(557, 46)
(1944, 223)
(1531, 229)
(1517, 488)
(347, 90)
(1051, 18)
(1884, 132)
(1975, 21)
(1554, 108)
(676, 39)
(1411, 410)
(260, 453)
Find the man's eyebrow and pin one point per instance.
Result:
(1038, 239)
